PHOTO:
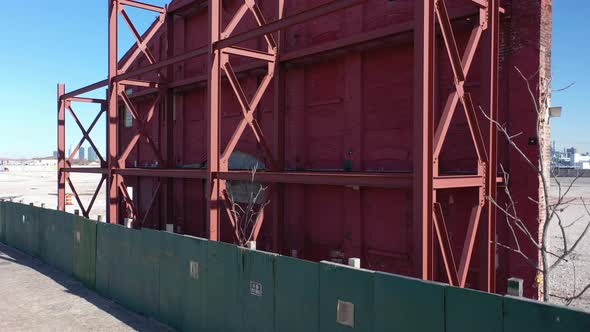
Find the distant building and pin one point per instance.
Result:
(82, 154)
(55, 154)
(92, 155)
(581, 161)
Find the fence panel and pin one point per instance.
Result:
(84, 264)
(224, 263)
(14, 226)
(296, 295)
(56, 238)
(526, 315)
(346, 298)
(148, 256)
(2, 222)
(401, 304)
(469, 310)
(257, 291)
(133, 263)
(105, 254)
(182, 263)
(31, 230)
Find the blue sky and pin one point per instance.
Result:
(571, 53)
(46, 42)
(43, 43)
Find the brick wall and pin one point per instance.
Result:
(528, 47)
(545, 102)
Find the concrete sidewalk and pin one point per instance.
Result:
(36, 297)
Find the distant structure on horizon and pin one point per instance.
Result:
(92, 155)
(55, 154)
(569, 158)
(82, 154)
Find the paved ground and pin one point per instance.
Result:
(35, 297)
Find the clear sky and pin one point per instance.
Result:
(46, 42)
(571, 59)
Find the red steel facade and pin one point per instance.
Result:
(366, 114)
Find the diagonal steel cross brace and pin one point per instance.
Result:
(86, 211)
(85, 134)
(141, 42)
(460, 68)
(141, 127)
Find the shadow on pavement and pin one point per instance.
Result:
(135, 321)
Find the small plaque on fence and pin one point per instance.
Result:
(194, 270)
(345, 313)
(255, 288)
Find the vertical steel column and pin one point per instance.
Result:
(424, 43)
(168, 201)
(213, 113)
(61, 148)
(492, 50)
(279, 141)
(113, 117)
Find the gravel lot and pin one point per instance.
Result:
(37, 184)
(572, 276)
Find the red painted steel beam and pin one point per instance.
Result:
(213, 187)
(492, 85)
(293, 56)
(61, 148)
(458, 181)
(152, 202)
(85, 135)
(445, 247)
(87, 100)
(180, 6)
(379, 180)
(159, 65)
(255, 54)
(86, 170)
(164, 173)
(142, 83)
(484, 4)
(278, 145)
(366, 179)
(113, 180)
(77, 197)
(141, 41)
(88, 88)
(424, 46)
(91, 204)
(396, 29)
(231, 41)
(298, 18)
(469, 244)
(142, 5)
(167, 210)
(454, 97)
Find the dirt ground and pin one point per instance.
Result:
(37, 184)
(572, 276)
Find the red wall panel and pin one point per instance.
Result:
(345, 110)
